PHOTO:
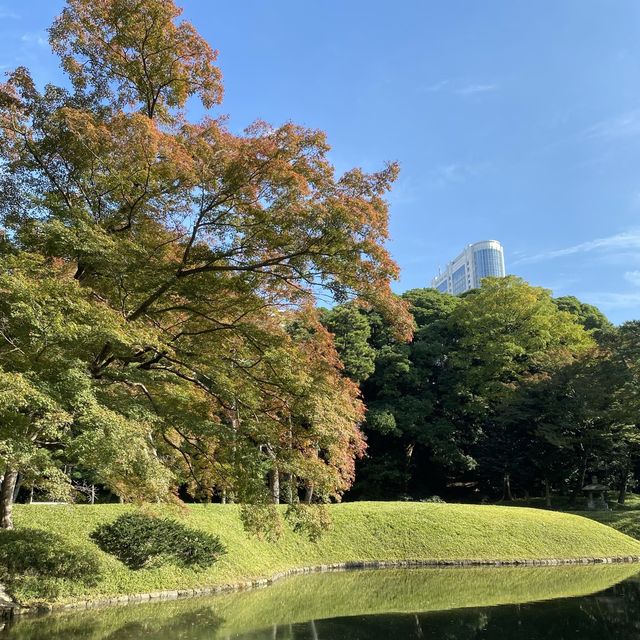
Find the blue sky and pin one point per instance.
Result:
(512, 120)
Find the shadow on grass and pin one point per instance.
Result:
(41, 561)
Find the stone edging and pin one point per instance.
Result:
(15, 609)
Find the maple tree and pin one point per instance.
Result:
(203, 247)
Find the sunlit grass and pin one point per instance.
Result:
(623, 517)
(360, 531)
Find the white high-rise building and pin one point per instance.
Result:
(478, 260)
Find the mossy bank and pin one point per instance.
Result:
(364, 531)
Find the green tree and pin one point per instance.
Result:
(621, 374)
(511, 335)
(461, 394)
(589, 316)
(352, 332)
(509, 332)
(407, 411)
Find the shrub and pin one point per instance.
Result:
(262, 520)
(140, 540)
(39, 561)
(309, 520)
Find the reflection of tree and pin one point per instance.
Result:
(419, 633)
(610, 613)
(134, 622)
(206, 623)
(613, 613)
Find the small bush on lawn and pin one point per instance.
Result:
(139, 540)
(309, 520)
(262, 521)
(40, 561)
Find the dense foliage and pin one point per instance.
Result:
(158, 330)
(139, 540)
(157, 277)
(503, 392)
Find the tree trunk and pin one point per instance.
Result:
(92, 498)
(6, 498)
(622, 493)
(408, 456)
(290, 492)
(308, 496)
(291, 479)
(577, 490)
(506, 486)
(275, 486)
(547, 493)
(16, 490)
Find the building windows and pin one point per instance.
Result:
(459, 280)
(487, 262)
(477, 261)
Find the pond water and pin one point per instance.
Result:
(559, 603)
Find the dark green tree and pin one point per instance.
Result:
(409, 420)
(352, 332)
(589, 316)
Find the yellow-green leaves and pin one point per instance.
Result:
(136, 52)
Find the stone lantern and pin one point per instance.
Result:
(597, 495)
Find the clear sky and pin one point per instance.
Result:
(512, 120)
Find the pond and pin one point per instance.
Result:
(559, 603)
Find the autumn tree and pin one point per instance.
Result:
(199, 241)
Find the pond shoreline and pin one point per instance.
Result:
(9, 608)
(361, 535)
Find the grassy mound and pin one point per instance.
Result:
(360, 531)
(625, 518)
(327, 595)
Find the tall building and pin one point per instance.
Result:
(478, 260)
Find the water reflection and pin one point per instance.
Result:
(461, 604)
(612, 614)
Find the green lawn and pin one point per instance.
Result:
(360, 531)
(624, 518)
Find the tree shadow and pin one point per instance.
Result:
(35, 562)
